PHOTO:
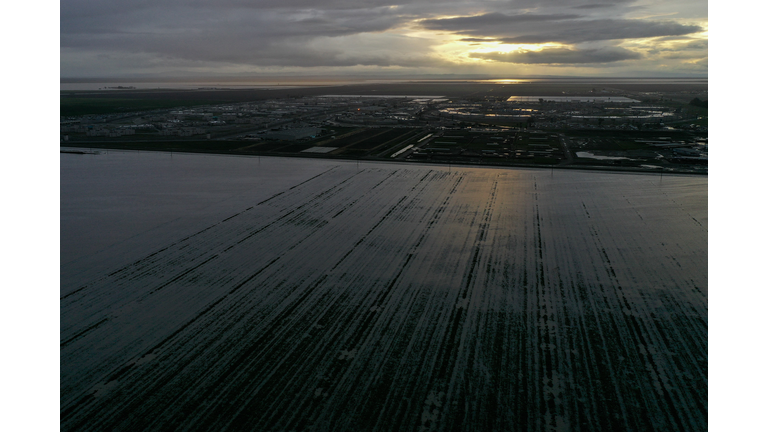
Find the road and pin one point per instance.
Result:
(566, 143)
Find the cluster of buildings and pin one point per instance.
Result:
(543, 112)
(301, 118)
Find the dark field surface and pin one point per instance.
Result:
(381, 298)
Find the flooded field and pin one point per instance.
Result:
(221, 293)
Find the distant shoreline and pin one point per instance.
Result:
(114, 84)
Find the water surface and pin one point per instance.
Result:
(225, 293)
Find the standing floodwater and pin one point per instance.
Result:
(223, 293)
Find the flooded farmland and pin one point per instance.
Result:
(225, 293)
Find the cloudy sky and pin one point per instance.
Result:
(382, 38)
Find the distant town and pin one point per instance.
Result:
(598, 127)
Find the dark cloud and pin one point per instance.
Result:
(478, 40)
(208, 47)
(561, 56)
(696, 48)
(595, 6)
(269, 24)
(562, 4)
(332, 33)
(562, 28)
(239, 36)
(491, 23)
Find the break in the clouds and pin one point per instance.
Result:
(239, 37)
